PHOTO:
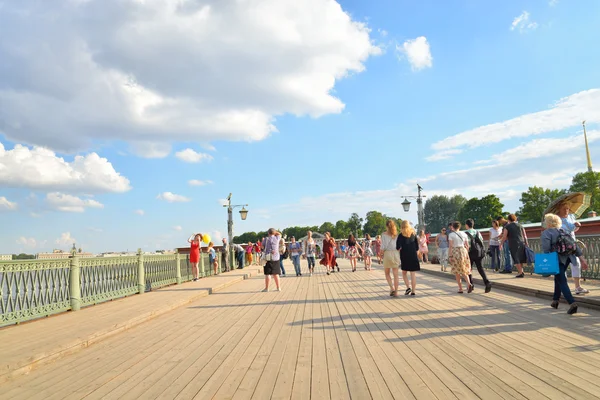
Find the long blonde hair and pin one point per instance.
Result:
(392, 229)
(406, 229)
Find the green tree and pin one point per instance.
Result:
(355, 224)
(341, 230)
(588, 182)
(326, 227)
(374, 223)
(535, 200)
(23, 256)
(439, 210)
(482, 210)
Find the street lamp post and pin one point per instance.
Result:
(230, 207)
(420, 211)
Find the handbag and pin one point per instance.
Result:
(546, 264)
(530, 255)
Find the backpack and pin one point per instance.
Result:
(565, 244)
(476, 247)
(283, 251)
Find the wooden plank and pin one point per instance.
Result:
(285, 377)
(301, 387)
(376, 383)
(338, 381)
(357, 384)
(286, 343)
(76, 373)
(259, 380)
(229, 368)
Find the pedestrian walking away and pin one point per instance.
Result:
(550, 237)
(459, 257)
(408, 245)
(272, 267)
(476, 253)
(391, 256)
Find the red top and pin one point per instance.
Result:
(195, 252)
(257, 247)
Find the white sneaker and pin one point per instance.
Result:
(581, 290)
(279, 289)
(265, 290)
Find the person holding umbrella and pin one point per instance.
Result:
(570, 226)
(569, 207)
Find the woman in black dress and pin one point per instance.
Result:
(408, 245)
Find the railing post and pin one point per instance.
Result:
(201, 263)
(232, 256)
(178, 262)
(141, 277)
(75, 283)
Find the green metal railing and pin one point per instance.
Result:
(591, 254)
(31, 289)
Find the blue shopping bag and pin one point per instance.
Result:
(546, 264)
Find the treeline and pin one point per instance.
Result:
(440, 210)
(373, 224)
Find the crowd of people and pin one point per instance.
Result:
(459, 250)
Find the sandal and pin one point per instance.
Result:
(392, 292)
(470, 289)
(413, 293)
(395, 293)
(460, 292)
(407, 292)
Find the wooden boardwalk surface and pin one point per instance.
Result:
(337, 337)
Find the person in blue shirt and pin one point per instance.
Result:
(212, 257)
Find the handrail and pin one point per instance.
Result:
(31, 289)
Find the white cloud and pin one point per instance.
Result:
(139, 212)
(566, 113)
(7, 205)
(443, 155)
(105, 69)
(65, 239)
(172, 198)
(69, 203)
(34, 215)
(97, 230)
(151, 150)
(27, 242)
(40, 168)
(177, 228)
(522, 23)
(552, 3)
(190, 156)
(382, 32)
(196, 182)
(418, 53)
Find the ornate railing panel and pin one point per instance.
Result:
(186, 268)
(32, 289)
(160, 270)
(591, 254)
(108, 278)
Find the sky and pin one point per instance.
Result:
(125, 123)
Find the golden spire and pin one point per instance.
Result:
(587, 149)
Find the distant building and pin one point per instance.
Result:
(59, 254)
(5, 257)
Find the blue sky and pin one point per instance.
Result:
(300, 111)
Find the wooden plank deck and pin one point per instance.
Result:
(337, 337)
